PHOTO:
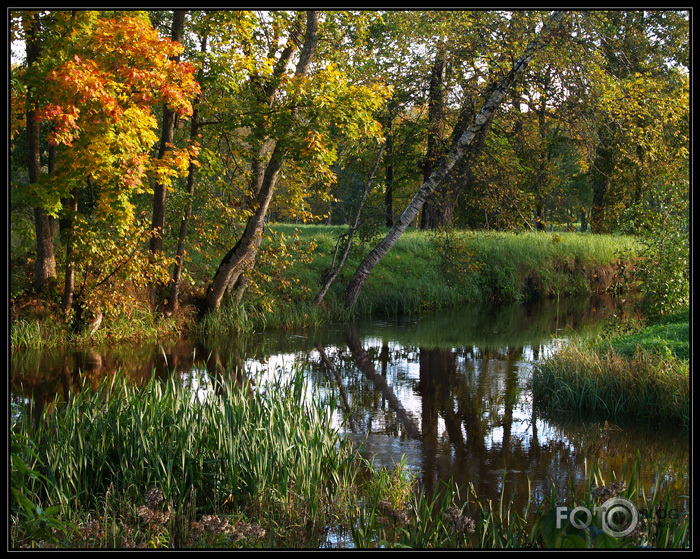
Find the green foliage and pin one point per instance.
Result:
(458, 258)
(663, 270)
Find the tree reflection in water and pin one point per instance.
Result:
(448, 390)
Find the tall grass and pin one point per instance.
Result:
(36, 334)
(594, 381)
(643, 373)
(235, 446)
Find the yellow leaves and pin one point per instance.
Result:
(313, 143)
(175, 162)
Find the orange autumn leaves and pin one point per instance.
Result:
(101, 99)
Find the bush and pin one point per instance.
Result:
(664, 267)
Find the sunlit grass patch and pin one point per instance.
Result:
(595, 381)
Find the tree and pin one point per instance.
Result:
(447, 163)
(635, 75)
(98, 97)
(264, 176)
(43, 222)
(293, 120)
(166, 143)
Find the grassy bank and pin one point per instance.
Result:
(437, 270)
(219, 464)
(425, 270)
(643, 374)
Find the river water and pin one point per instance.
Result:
(448, 391)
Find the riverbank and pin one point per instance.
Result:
(117, 466)
(642, 375)
(425, 270)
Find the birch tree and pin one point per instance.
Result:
(444, 166)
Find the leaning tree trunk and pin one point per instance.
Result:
(243, 255)
(438, 175)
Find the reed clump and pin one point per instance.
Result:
(604, 382)
(210, 447)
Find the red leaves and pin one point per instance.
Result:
(124, 63)
(104, 95)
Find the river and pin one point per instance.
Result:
(449, 391)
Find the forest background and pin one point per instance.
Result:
(152, 153)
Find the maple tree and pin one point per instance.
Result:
(99, 102)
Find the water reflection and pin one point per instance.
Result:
(449, 391)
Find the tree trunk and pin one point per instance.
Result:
(438, 175)
(603, 165)
(67, 232)
(436, 117)
(166, 139)
(243, 254)
(584, 223)
(43, 224)
(191, 176)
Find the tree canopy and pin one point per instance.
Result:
(246, 117)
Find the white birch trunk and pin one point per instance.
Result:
(445, 165)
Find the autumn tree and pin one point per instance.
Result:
(99, 101)
(292, 120)
(161, 183)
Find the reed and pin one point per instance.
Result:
(237, 447)
(591, 380)
(35, 334)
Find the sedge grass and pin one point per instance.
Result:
(595, 381)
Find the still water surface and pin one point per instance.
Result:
(449, 391)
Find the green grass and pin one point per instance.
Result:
(220, 464)
(643, 374)
(669, 335)
(454, 518)
(435, 270)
